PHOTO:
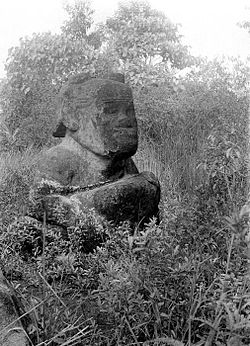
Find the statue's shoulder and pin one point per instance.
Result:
(54, 154)
(55, 163)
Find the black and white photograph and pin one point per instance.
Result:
(124, 173)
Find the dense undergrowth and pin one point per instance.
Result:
(182, 282)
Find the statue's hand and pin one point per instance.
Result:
(60, 210)
(133, 198)
(55, 209)
(47, 187)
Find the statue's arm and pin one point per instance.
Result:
(50, 186)
(133, 197)
(48, 199)
(50, 167)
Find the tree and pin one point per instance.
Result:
(78, 25)
(36, 70)
(147, 43)
(142, 32)
(79, 19)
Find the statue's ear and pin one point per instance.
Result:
(60, 130)
(67, 119)
(65, 124)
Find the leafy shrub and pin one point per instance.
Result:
(175, 281)
(51, 271)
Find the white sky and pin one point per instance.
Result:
(208, 26)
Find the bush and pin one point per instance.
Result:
(180, 280)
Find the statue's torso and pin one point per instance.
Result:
(70, 168)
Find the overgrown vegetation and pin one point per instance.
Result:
(182, 282)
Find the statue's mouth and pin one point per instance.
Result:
(125, 130)
(125, 137)
(120, 154)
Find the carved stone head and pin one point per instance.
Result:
(99, 114)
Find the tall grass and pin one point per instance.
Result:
(149, 158)
(174, 162)
(167, 285)
(16, 175)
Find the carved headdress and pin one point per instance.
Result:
(81, 91)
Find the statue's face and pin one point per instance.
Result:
(118, 127)
(108, 125)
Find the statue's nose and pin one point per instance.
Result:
(124, 120)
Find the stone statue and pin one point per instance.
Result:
(92, 166)
(98, 125)
(91, 169)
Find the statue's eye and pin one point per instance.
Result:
(110, 110)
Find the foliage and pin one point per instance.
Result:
(35, 71)
(16, 175)
(182, 280)
(144, 33)
(147, 44)
(198, 123)
(79, 20)
(28, 115)
(53, 280)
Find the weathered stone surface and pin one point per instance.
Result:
(97, 121)
(11, 329)
(100, 115)
(133, 198)
(100, 133)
